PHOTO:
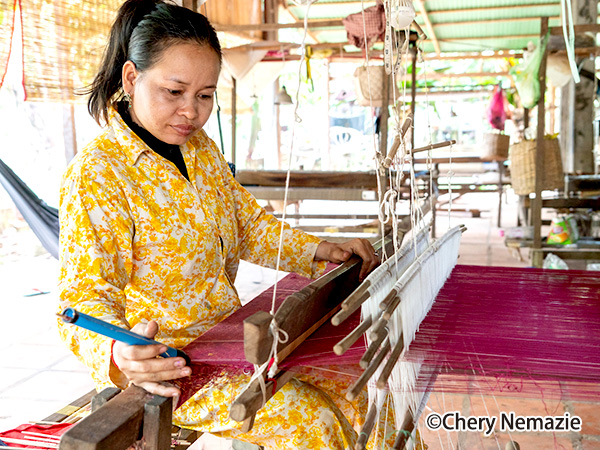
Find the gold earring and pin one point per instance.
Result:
(128, 99)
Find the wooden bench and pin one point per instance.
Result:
(118, 419)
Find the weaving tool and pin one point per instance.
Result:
(70, 315)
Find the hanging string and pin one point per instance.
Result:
(279, 335)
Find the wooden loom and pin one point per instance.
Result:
(307, 310)
(133, 414)
(125, 417)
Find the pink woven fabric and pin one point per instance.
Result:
(222, 347)
(513, 331)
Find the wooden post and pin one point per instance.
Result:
(383, 118)
(383, 132)
(158, 415)
(271, 16)
(413, 93)
(501, 190)
(536, 210)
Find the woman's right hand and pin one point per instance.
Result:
(139, 363)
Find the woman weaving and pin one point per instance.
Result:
(153, 226)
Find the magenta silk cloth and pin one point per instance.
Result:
(513, 331)
(506, 331)
(222, 347)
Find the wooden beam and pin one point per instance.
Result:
(304, 311)
(578, 29)
(336, 45)
(337, 23)
(430, 31)
(487, 38)
(338, 56)
(279, 26)
(346, 3)
(441, 76)
(121, 421)
(519, 8)
(306, 179)
(492, 21)
(536, 213)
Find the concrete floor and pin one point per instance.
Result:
(38, 376)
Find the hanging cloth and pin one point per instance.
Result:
(42, 219)
(372, 30)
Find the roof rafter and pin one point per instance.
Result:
(430, 30)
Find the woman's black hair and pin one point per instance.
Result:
(142, 31)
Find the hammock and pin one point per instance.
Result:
(42, 219)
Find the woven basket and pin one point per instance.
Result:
(495, 147)
(522, 166)
(368, 81)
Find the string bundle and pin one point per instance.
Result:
(399, 315)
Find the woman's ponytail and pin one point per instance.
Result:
(107, 82)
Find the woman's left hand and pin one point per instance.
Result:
(338, 253)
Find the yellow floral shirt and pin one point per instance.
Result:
(140, 242)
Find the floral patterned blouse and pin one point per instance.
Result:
(140, 242)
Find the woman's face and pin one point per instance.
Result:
(174, 98)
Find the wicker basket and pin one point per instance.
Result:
(522, 166)
(495, 147)
(368, 82)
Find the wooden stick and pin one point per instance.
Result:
(367, 428)
(248, 423)
(378, 329)
(397, 140)
(419, 30)
(256, 329)
(343, 314)
(405, 432)
(391, 307)
(391, 362)
(341, 347)
(388, 299)
(359, 295)
(368, 356)
(251, 400)
(433, 146)
(367, 374)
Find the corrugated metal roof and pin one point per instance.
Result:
(458, 25)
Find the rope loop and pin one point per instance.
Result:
(279, 335)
